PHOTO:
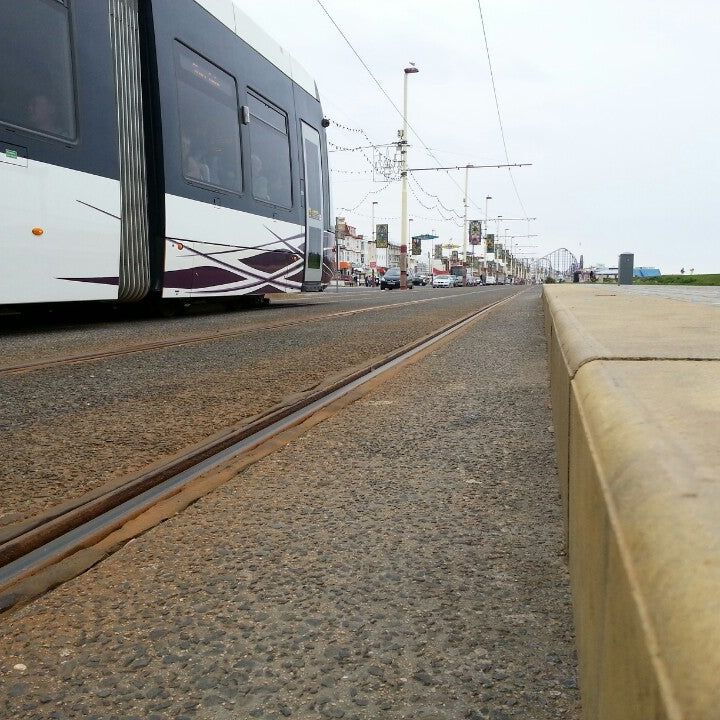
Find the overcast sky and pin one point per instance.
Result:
(615, 103)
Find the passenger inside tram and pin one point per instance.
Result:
(193, 165)
(42, 115)
(261, 185)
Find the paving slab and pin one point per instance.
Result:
(598, 322)
(705, 295)
(403, 560)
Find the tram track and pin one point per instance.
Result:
(77, 358)
(41, 552)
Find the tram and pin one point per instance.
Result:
(154, 149)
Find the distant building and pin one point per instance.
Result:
(602, 272)
(646, 272)
(361, 257)
(352, 247)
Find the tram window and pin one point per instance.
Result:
(209, 123)
(270, 147)
(36, 84)
(313, 181)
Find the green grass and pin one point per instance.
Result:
(680, 280)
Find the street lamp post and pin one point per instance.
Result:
(496, 254)
(372, 235)
(337, 254)
(403, 174)
(485, 260)
(410, 236)
(505, 253)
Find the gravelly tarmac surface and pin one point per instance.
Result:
(88, 331)
(402, 560)
(67, 430)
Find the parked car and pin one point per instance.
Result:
(490, 280)
(443, 281)
(391, 279)
(459, 280)
(416, 280)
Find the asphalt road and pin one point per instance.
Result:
(402, 560)
(67, 430)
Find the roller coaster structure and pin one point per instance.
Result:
(558, 265)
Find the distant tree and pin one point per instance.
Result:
(682, 270)
(692, 270)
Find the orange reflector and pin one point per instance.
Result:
(180, 246)
(37, 231)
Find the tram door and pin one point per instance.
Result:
(313, 204)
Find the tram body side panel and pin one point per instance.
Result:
(203, 265)
(78, 253)
(59, 172)
(221, 238)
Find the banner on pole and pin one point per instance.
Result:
(417, 245)
(475, 232)
(438, 252)
(490, 242)
(381, 236)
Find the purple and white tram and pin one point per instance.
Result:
(156, 149)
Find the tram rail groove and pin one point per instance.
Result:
(198, 339)
(37, 544)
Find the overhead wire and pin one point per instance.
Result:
(377, 168)
(397, 217)
(497, 107)
(367, 195)
(389, 99)
(436, 198)
(431, 207)
(350, 172)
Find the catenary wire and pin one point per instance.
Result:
(497, 107)
(390, 100)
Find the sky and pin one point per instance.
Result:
(615, 104)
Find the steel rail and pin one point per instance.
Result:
(197, 339)
(53, 538)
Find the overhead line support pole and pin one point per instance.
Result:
(404, 222)
(465, 217)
